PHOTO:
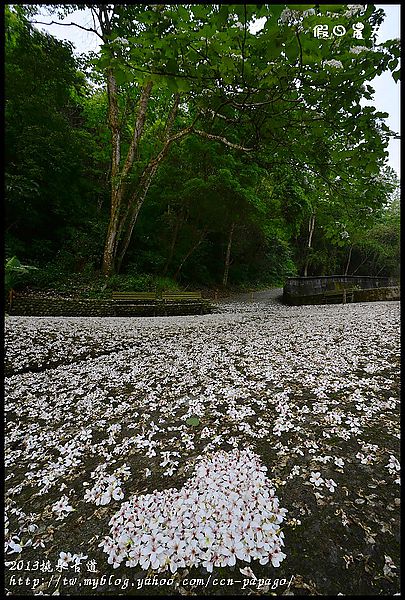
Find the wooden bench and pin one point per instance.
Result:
(343, 296)
(181, 296)
(134, 296)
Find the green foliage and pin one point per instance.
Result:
(47, 175)
(317, 150)
(130, 283)
(165, 284)
(377, 250)
(142, 282)
(362, 225)
(51, 276)
(13, 270)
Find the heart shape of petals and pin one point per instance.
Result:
(227, 511)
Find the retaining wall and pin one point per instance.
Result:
(369, 295)
(310, 286)
(69, 307)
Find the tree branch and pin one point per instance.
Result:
(219, 138)
(113, 124)
(134, 204)
(167, 74)
(217, 114)
(242, 46)
(300, 46)
(172, 116)
(264, 102)
(138, 129)
(69, 25)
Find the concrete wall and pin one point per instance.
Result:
(310, 286)
(68, 307)
(378, 294)
(368, 295)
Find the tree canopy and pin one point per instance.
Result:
(205, 143)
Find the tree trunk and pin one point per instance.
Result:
(189, 253)
(124, 210)
(368, 256)
(348, 260)
(108, 267)
(119, 179)
(127, 231)
(172, 246)
(228, 256)
(311, 227)
(129, 218)
(110, 243)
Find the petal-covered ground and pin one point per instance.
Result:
(293, 410)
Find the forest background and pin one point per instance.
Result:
(195, 150)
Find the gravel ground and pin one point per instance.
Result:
(281, 423)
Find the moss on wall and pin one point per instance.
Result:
(380, 294)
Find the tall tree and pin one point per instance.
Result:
(279, 85)
(47, 146)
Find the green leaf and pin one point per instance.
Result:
(371, 168)
(199, 11)
(274, 48)
(193, 421)
(393, 64)
(301, 7)
(292, 50)
(228, 62)
(397, 75)
(172, 84)
(13, 263)
(276, 10)
(103, 62)
(183, 13)
(172, 65)
(183, 84)
(261, 11)
(121, 76)
(222, 17)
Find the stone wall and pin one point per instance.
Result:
(311, 286)
(377, 294)
(369, 295)
(69, 307)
